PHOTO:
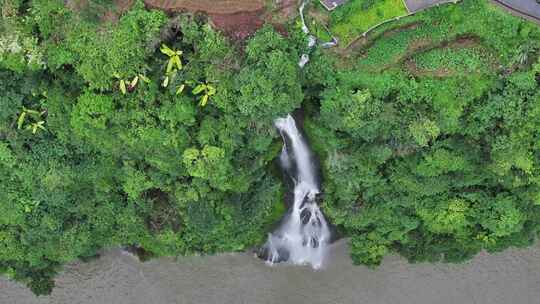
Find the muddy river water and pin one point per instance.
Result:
(510, 277)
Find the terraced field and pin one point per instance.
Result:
(351, 20)
(208, 6)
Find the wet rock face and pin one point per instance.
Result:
(317, 222)
(312, 242)
(264, 253)
(305, 216)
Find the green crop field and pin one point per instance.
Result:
(356, 17)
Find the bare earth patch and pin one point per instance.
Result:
(222, 7)
(238, 26)
(238, 19)
(286, 9)
(289, 7)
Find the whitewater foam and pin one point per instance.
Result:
(303, 235)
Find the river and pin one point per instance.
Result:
(512, 276)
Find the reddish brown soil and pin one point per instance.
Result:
(283, 12)
(237, 19)
(288, 8)
(222, 7)
(238, 26)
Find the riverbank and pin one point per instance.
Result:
(512, 276)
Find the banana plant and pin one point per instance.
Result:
(207, 91)
(123, 87)
(129, 85)
(37, 122)
(34, 126)
(180, 89)
(174, 64)
(183, 86)
(133, 83)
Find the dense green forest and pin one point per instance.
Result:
(156, 131)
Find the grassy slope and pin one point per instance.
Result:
(357, 21)
(485, 26)
(453, 61)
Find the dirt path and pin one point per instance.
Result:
(509, 277)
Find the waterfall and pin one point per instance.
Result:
(303, 234)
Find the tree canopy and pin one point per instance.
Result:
(130, 133)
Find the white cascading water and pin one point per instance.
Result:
(303, 235)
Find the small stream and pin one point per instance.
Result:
(312, 40)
